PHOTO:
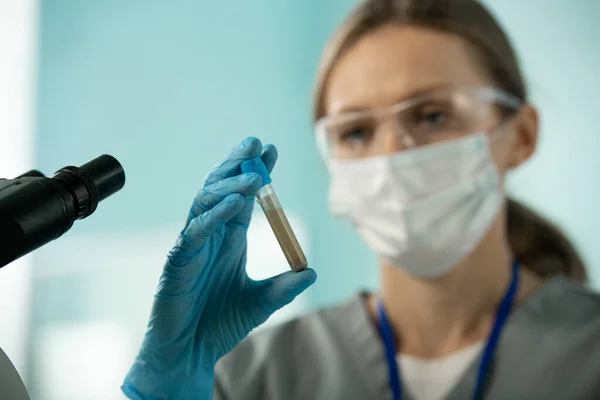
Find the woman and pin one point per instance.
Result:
(421, 110)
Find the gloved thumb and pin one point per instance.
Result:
(280, 290)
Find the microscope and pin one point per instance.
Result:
(35, 210)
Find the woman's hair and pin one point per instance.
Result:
(536, 242)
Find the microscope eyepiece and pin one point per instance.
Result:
(35, 210)
(92, 182)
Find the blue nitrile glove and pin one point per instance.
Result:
(206, 303)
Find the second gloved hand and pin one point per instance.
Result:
(206, 304)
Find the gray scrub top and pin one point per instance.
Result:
(549, 349)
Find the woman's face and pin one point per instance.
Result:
(393, 64)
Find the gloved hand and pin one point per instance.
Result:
(206, 304)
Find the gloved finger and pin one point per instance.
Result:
(282, 289)
(245, 215)
(204, 225)
(245, 184)
(131, 392)
(229, 166)
(269, 156)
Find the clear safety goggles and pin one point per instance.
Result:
(434, 117)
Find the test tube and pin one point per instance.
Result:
(269, 202)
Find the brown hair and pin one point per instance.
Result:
(536, 242)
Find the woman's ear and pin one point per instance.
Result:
(525, 135)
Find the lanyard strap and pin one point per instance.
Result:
(502, 314)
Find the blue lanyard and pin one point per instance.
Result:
(488, 352)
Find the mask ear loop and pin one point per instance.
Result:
(498, 133)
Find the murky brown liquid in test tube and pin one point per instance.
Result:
(287, 239)
(280, 225)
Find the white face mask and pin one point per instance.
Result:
(422, 209)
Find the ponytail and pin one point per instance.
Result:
(541, 246)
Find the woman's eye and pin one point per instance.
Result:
(354, 136)
(434, 118)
